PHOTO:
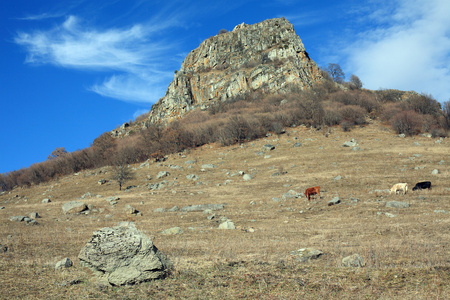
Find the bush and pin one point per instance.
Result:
(407, 122)
(424, 104)
(353, 114)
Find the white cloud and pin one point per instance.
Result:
(408, 51)
(133, 52)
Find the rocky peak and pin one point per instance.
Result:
(268, 55)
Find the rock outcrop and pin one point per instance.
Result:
(123, 255)
(267, 56)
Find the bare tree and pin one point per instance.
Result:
(446, 110)
(356, 82)
(58, 152)
(336, 72)
(122, 173)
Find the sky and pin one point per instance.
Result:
(74, 69)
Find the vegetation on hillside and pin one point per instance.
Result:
(249, 117)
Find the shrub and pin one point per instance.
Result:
(424, 104)
(353, 114)
(389, 110)
(347, 126)
(407, 122)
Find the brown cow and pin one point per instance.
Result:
(312, 191)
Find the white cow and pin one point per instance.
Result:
(399, 187)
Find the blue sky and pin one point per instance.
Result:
(72, 70)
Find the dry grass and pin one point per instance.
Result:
(406, 257)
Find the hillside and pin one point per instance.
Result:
(405, 249)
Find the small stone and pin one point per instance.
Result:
(355, 261)
(65, 263)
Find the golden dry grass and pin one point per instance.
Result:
(406, 256)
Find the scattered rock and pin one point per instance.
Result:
(65, 263)
(291, 194)
(74, 207)
(306, 254)
(130, 210)
(389, 215)
(296, 145)
(101, 181)
(268, 147)
(46, 200)
(202, 207)
(162, 174)
(208, 166)
(34, 215)
(172, 231)
(402, 135)
(123, 255)
(2, 207)
(247, 177)
(355, 261)
(112, 200)
(192, 177)
(3, 248)
(352, 143)
(173, 209)
(337, 178)
(25, 219)
(334, 201)
(227, 225)
(397, 204)
(440, 211)
(160, 210)
(435, 172)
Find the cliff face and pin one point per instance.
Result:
(267, 55)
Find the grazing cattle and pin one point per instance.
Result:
(422, 185)
(312, 191)
(399, 187)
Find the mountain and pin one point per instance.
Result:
(267, 56)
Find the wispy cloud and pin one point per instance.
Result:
(408, 48)
(133, 53)
(40, 17)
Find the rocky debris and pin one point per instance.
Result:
(247, 177)
(112, 200)
(158, 186)
(2, 207)
(337, 178)
(173, 209)
(397, 204)
(172, 231)
(296, 145)
(354, 260)
(352, 143)
(440, 211)
(202, 207)
(305, 254)
(267, 56)
(334, 201)
(87, 195)
(435, 172)
(101, 181)
(123, 255)
(160, 210)
(190, 162)
(162, 174)
(3, 248)
(34, 215)
(208, 166)
(64, 263)
(25, 219)
(192, 177)
(46, 200)
(291, 194)
(130, 210)
(228, 224)
(74, 207)
(268, 147)
(389, 215)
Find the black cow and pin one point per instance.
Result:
(422, 185)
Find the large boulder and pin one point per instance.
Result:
(123, 255)
(74, 207)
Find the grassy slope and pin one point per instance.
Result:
(406, 256)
